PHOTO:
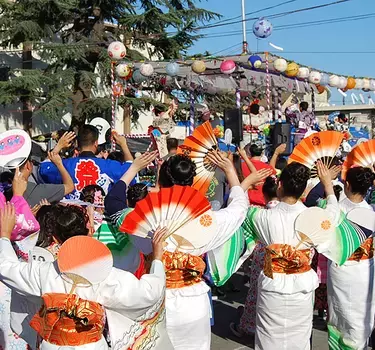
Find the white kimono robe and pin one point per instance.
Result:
(285, 303)
(121, 292)
(188, 308)
(351, 298)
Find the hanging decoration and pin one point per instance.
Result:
(262, 28)
(198, 67)
(315, 77)
(192, 114)
(124, 71)
(303, 73)
(116, 50)
(342, 83)
(138, 77)
(334, 81)
(227, 67)
(268, 84)
(366, 84)
(292, 69)
(351, 83)
(321, 89)
(324, 79)
(255, 61)
(372, 85)
(238, 99)
(280, 65)
(359, 83)
(113, 103)
(146, 69)
(172, 69)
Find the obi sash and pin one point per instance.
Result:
(283, 258)
(67, 320)
(364, 252)
(183, 269)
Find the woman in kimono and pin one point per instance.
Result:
(351, 287)
(187, 300)
(120, 291)
(286, 286)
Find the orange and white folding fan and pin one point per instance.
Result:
(362, 155)
(318, 146)
(83, 260)
(196, 148)
(183, 210)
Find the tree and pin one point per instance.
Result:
(71, 37)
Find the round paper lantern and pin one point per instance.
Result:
(366, 84)
(320, 88)
(280, 65)
(123, 71)
(303, 72)
(146, 69)
(315, 77)
(292, 69)
(334, 80)
(324, 79)
(262, 28)
(372, 85)
(350, 84)
(138, 94)
(342, 83)
(359, 83)
(172, 69)
(138, 77)
(255, 61)
(116, 50)
(227, 67)
(198, 66)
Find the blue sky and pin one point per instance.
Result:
(300, 44)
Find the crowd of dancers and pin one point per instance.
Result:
(156, 296)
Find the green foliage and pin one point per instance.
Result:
(71, 38)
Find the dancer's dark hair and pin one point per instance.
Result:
(177, 170)
(294, 179)
(360, 179)
(269, 188)
(136, 193)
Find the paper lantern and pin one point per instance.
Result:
(146, 69)
(262, 28)
(255, 61)
(359, 83)
(227, 67)
(366, 84)
(138, 77)
(116, 50)
(372, 85)
(342, 83)
(321, 89)
(124, 71)
(280, 65)
(198, 66)
(350, 84)
(172, 69)
(334, 80)
(138, 94)
(303, 73)
(315, 77)
(292, 69)
(324, 79)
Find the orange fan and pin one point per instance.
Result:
(83, 260)
(318, 146)
(196, 148)
(182, 209)
(362, 155)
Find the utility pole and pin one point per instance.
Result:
(245, 50)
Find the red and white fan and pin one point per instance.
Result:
(318, 146)
(183, 210)
(362, 155)
(196, 148)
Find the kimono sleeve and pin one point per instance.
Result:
(230, 218)
(22, 277)
(255, 227)
(124, 293)
(49, 173)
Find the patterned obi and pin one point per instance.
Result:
(283, 258)
(364, 252)
(67, 320)
(183, 269)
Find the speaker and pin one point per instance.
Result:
(233, 121)
(281, 133)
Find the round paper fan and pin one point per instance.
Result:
(15, 148)
(362, 155)
(318, 146)
(83, 260)
(314, 226)
(103, 126)
(364, 218)
(42, 255)
(182, 209)
(196, 148)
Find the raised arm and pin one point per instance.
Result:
(279, 150)
(121, 141)
(247, 160)
(223, 162)
(65, 176)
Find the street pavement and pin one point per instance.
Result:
(225, 311)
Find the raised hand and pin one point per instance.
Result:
(257, 177)
(160, 235)
(65, 141)
(19, 184)
(7, 220)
